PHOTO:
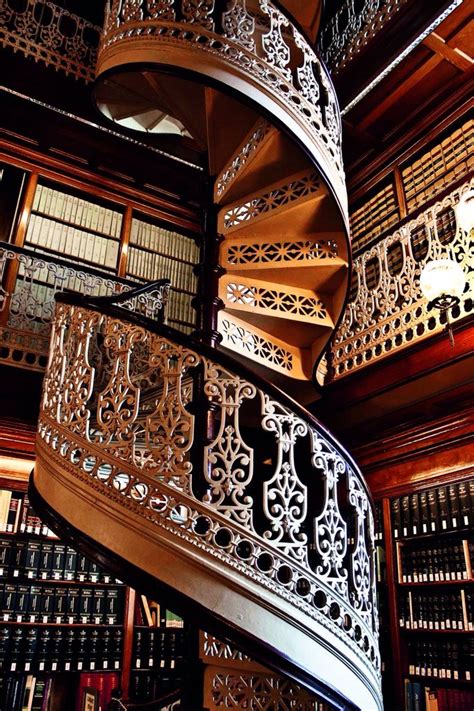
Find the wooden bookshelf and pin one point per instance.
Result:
(108, 641)
(431, 621)
(70, 218)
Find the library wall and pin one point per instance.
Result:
(68, 627)
(64, 234)
(423, 481)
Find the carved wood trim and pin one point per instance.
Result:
(88, 181)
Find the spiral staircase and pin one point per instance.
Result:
(175, 464)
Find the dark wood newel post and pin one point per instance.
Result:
(207, 304)
(207, 301)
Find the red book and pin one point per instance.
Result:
(14, 512)
(86, 679)
(112, 683)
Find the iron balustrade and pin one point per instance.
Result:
(353, 26)
(29, 282)
(386, 310)
(50, 33)
(186, 439)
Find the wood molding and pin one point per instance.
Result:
(414, 457)
(373, 169)
(86, 180)
(430, 356)
(17, 439)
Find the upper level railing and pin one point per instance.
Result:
(386, 310)
(28, 284)
(43, 30)
(353, 26)
(251, 36)
(183, 437)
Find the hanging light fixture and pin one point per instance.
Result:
(442, 283)
(465, 211)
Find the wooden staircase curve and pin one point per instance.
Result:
(204, 486)
(244, 86)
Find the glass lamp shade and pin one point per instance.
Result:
(465, 211)
(442, 277)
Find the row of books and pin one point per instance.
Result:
(158, 239)
(68, 241)
(378, 522)
(157, 648)
(77, 211)
(32, 692)
(441, 659)
(152, 614)
(435, 563)
(437, 612)
(27, 558)
(425, 698)
(71, 605)
(151, 266)
(60, 648)
(148, 685)
(179, 307)
(444, 508)
(17, 516)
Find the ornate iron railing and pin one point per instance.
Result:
(252, 36)
(184, 438)
(232, 680)
(43, 30)
(28, 284)
(386, 310)
(352, 27)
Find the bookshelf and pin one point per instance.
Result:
(67, 625)
(432, 594)
(155, 251)
(92, 228)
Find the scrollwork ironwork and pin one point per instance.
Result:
(26, 30)
(387, 310)
(228, 460)
(133, 439)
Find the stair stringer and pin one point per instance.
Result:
(237, 607)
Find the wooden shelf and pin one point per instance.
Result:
(423, 630)
(435, 583)
(88, 625)
(465, 531)
(72, 259)
(438, 681)
(68, 223)
(132, 245)
(23, 580)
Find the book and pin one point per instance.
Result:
(5, 499)
(443, 509)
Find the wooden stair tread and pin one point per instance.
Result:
(322, 275)
(296, 332)
(271, 160)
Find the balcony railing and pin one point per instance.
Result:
(43, 30)
(386, 310)
(353, 26)
(232, 470)
(28, 284)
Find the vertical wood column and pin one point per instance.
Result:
(207, 301)
(129, 619)
(392, 604)
(19, 235)
(401, 199)
(124, 242)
